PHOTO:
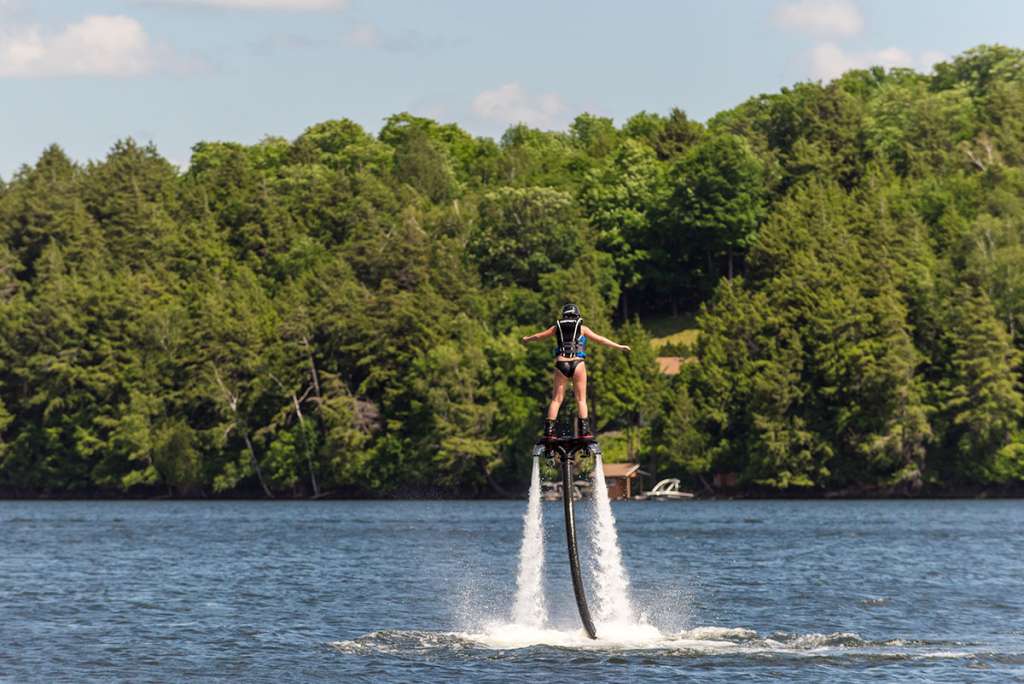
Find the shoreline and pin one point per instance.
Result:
(1015, 491)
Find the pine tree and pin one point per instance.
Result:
(983, 404)
(676, 442)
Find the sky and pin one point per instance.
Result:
(86, 73)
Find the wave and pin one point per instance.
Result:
(641, 638)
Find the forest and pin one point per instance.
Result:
(340, 314)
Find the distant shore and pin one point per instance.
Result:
(865, 493)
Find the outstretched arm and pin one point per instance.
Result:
(591, 335)
(539, 336)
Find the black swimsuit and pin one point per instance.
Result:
(568, 368)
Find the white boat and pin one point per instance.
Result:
(666, 490)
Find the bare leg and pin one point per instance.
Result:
(579, 388)
(557, 394)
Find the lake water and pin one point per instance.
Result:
(422, 591)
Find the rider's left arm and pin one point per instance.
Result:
(600, 339)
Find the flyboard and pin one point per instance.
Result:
(563, 453)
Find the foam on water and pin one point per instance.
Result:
(636, 636)
(529, 609)
(697, 642)
(611, 637)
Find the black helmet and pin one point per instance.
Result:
(570, 311)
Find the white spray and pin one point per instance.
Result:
(610, 581)
(529, 608)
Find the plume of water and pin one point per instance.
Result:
(529, 607)
(610, 581)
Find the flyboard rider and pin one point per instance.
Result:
(572, 337)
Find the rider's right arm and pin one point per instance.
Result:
(539, 336)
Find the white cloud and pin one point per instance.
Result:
(829, 61)
(511, 104)
(292, 5)
(95, 46)
(11, 8)
(821, 17)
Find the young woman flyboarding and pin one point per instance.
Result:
(572, 338)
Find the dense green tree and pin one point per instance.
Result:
(44, 205)
(992, 250)
(677, 136)
(717, 204)
(536, 158)
(594, 135)
(622, 199)
(458, 398)
(832, 394)
(132, 195)
(629, 385)
(240, 323)
(983, 403)
(912, 128)
(677, 443)
(524, 233)
(12, 307)
(340, 145)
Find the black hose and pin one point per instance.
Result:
(570, 538)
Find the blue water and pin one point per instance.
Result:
(412, 591)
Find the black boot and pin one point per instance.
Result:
(549, 428)
(584, 425)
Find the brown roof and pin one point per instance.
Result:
(621, 469)
(669, 365)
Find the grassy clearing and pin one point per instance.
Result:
(687, 337)
(674, 330)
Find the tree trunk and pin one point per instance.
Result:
(256, 464)
(232, 401)
(631, 436)
(297, 405)
(491, 481)
(652, 464)
(305, 443)
(312, 367)
(315, 377)
(730, 263)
